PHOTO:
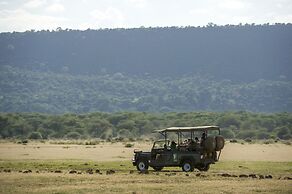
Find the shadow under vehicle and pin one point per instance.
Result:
(187, 152)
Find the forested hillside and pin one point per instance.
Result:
(47, 92)
(212, 68)
(138, 124)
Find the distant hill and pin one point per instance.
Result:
(214, 68)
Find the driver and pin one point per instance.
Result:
(173, 145)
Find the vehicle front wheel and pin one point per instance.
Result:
(142, 165)
(187, 166)
(157, 168)
(204, 167)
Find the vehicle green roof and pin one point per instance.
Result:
(188, 129)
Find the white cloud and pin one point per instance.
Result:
(3, 3)
(35, 3)
(21, 15)
(278, 19)
(232, 4)
(110, 17)
(21, 20)
(56, 7)
(138, 3)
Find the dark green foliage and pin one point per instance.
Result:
(211, 68)
(284, 132)
(131, 125)
(35, 135)
(129, 145)
(227, 133)
(73, 135)
(238, 53)
(28, 91)
(246, 134)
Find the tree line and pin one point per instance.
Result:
(240, 125)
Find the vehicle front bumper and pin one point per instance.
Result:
(134, 162)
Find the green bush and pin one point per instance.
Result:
(124, 133)
(129, 145)
(35, 135)
(283, 133)
(263, 135)
(227, 133)
(246, 134)
(23, 141)
(73, 135)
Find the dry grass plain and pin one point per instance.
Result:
(50, 165)
(117, 151)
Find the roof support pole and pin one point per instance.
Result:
(165, 136)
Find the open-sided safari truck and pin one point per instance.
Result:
(195, 147)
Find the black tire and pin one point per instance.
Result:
(142, 165)
(203, 167)
(187, 166)
(157, 168)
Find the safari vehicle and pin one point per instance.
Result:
(188, 152)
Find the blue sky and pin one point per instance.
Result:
(21, 15)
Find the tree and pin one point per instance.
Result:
(227, 133)
(35, 135)
(73, 135)
(283, 133)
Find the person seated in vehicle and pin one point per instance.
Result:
(203, 138)
(173, 145)
(197, 140)
(165, 147)
(192, 145)
(184, 143)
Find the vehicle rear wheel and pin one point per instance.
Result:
(204, 167)
(187, 166)
(142, 165)
(157, 168)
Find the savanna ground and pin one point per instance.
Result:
(106, 168)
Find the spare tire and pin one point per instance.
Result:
(209, 144)
(219, 142)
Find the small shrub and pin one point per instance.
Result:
(129, 145)
(233, 141)
(287, 143)
(263, 135)
(73, 135)
(246, 134)
(268, 141)
(283, 133)
(120, 139)
(93, 142)
(131, 139)
(228, 133)
(23, 141)
(35, 135)
(248, 140)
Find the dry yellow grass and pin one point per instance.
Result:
(129, 183)
(117, 152)
(235, 159)
(257, 152)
